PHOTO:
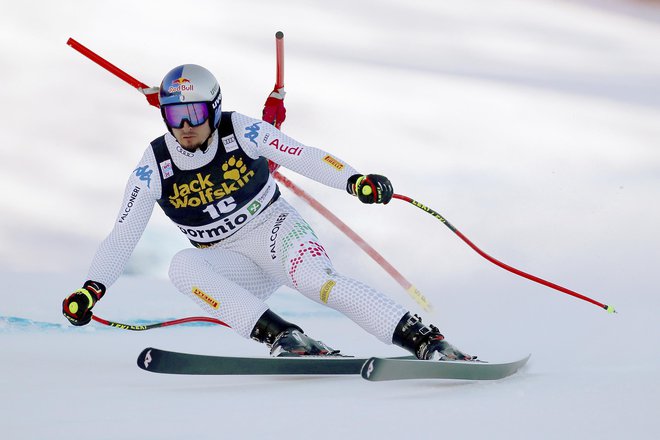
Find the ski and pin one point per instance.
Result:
(156, 360)
(381, 369)
(169, 362)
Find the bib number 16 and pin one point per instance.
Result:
(224, 206)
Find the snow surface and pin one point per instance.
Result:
(533, 126)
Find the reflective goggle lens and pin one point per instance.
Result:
(196, 114)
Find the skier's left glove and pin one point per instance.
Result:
(274, 112)
(77, 307)
(372, 188)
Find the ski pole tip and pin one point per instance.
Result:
(279, 35)
(610, 309)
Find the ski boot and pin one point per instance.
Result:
(294, 342)
(426, 343)
(286, 339)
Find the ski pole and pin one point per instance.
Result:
(279, 52)
(151, 93)
(140, 327)
(511, 269)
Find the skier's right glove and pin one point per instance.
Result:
(77, 307)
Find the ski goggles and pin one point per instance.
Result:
(195, 113)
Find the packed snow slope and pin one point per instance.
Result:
(533, 126)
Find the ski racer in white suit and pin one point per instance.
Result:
(210, 176)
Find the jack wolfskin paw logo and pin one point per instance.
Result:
(233, 169)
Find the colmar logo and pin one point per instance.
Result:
(181, 85)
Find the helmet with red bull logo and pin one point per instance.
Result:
(189, 84)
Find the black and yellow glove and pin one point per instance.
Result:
(372, 188)
(77, 307)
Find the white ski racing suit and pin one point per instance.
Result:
(248, 240)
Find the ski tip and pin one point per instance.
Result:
(368, 368)
(279, 35)
(145, 358)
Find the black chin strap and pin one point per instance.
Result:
(207, 142)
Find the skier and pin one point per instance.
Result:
(210, 176)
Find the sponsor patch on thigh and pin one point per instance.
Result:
(326, 289)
